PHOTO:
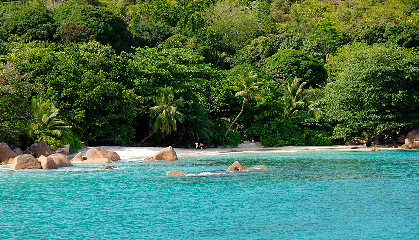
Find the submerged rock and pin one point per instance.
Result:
(106, 167)
(374, 149)
(25, 161)
(259, 167)
(176, 173)
(236, 166)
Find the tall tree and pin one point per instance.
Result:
(165, 113)
(293, 96)
(246, 85)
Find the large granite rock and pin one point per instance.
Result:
(111, 155)
(99, 155)
(6, 153)
(47, 162)
(236, 166)
(25, 161)
(77, 158)
(60, 159)
(166, 154)
(176, 173)
(412, 139)
(39, 149)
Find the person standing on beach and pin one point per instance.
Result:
(202, 145)
(196, 146)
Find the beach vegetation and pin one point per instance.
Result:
(281, 72)
(165, 114)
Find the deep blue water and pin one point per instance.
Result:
(306, 195)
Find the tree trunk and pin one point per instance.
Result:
(234, 121)
(142, 141)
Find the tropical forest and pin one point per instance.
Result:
(220, 72)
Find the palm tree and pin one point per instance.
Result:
(165, 112)
(45, 121)
(293, 96)
(246, 86)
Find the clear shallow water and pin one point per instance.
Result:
(306, 195)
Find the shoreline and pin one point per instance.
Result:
(141, 152)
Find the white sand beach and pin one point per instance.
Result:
(141, 152)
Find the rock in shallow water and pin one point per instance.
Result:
(77, 158)
(25, 161)
(259, 167)
(47, 162)
(166, 154)
(236, 166)
(176, 173)
(99, 155)
(106, 167)
(61, 160)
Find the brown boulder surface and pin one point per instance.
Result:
(77, 158)
(150, 159)
(94, 155)
(25, 161)
(18, 151)
(39, 149)
(166, 154)
(111, 155)
(97, 160)
(236, 166)
(176, 173)
(47, 162)
(412, 139)
(6, 153)
(60, 159)
(106, 167)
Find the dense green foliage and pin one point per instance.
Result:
(282, 72)
(375, 89)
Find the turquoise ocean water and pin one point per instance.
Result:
(304, 195)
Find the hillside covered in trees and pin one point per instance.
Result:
(281, 72)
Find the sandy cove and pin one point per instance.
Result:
(141, 152)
